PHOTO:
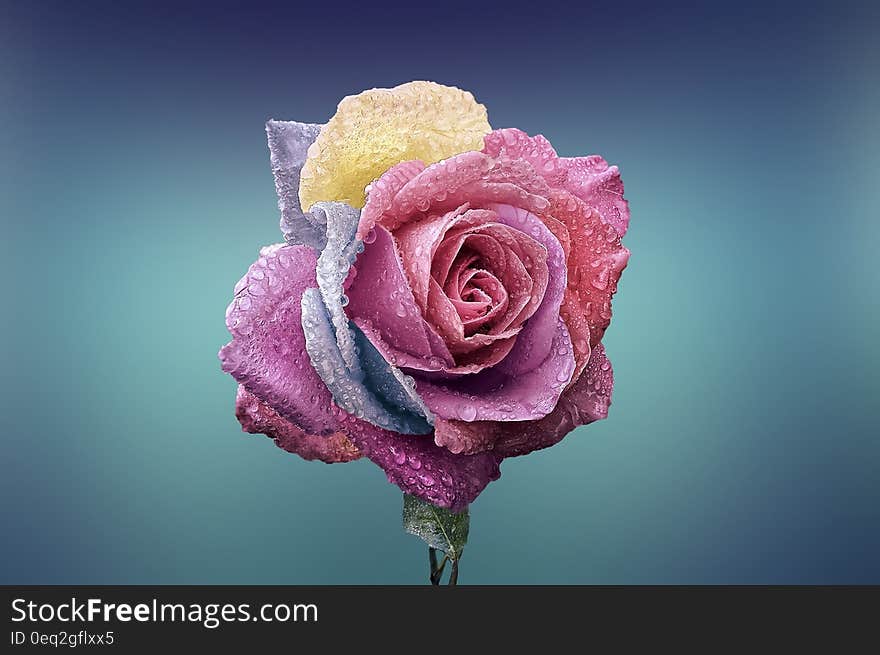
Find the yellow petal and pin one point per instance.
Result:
(376, 129)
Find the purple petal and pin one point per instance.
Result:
(267, 352)
(257, 417)
(493, 395)
(587, 400)
(419, 467)
(533, 343)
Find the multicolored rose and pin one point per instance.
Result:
(440, 300)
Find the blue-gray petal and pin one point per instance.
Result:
(333, 267)
(350, 389)
(387, 390)
(390, 382)
(289, 143)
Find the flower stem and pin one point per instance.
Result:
(436, 571)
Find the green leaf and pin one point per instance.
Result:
(438, 527)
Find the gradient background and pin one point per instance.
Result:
(742, 446)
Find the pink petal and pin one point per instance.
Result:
(467, 438)
(515, 144)
(381, 193)
(445, 317)
(267, 352)
(489, 300)
(382, 304)
(481, 193)
(599, 185)
(596, 260)
(421, 468)
(469, 177)
(525, 275)
(515, 259)
(572, 313)
(447, 248)
(486, 356)
(433, 185)
(589, 178)
(533, 345)
(417, 243)
(257, 417)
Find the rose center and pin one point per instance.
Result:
(476, 292)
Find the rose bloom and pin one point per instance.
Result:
(453, 321)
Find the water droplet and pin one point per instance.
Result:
(467, 412)
(400, 310)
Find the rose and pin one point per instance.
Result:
(456, 320)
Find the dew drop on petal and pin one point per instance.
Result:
(467, 412)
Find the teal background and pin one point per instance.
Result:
(742, 444)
